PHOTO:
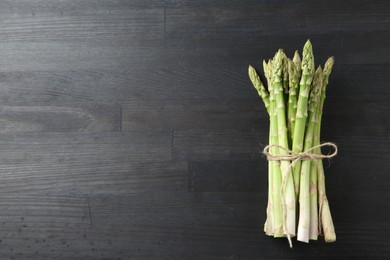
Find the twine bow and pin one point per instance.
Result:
(294, 158)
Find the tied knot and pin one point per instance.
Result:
(289, 155)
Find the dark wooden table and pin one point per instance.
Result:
(129, 129)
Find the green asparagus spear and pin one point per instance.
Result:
(301, 115)
(294, 71)
(287, 180)
(263, 93)
(324, 210)
(276, 172)
(304, 191)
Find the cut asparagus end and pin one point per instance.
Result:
(327, 223)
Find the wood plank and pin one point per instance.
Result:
(77, 36)
(362, 114)
(237, 46)
(37, 226)
(342, 170)
(88, 24)
(174, 209)
(62, 56)
(81, 177)
(183, 216)
(224, 145)
(49, 6)
(43, 211)
(363, 210)
(76, 86)
(228, 176)
(75, 117)
(363, 6)
(193, 116)
(208, 3)
(55, 149)
(226, 19)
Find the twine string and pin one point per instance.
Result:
(294, 158)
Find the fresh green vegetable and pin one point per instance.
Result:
(301, 115)
(294, 101)
(294, 71)
(324, 210)
(280, 110)
(305, 187)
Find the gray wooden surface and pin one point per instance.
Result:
(129, 129)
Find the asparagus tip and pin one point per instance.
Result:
(296, 59)
(328, 66)
(252, 74)
(308, 59)
(265, 64)
(255, 78)
(307, 44)
(278, 62)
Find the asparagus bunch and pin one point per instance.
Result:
(294, 101)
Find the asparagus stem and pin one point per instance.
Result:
(287, 188)
(276, 173)
(313, 231)
(277, 179)
(317, 168)
(304, 192)
(269, 222)
(301, 115)
(294, 71)
(268, 225)
(314, 167)
(258, 85)
(324, 210)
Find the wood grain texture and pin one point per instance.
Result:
(210, 19)
(71, 22)
(81, 177)
(225, 145)
(130, 130)
(40, 211)
(57, 148)
(177, 218)
(47, 6)
(227, 176)
(60, 118)
(194, 116)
